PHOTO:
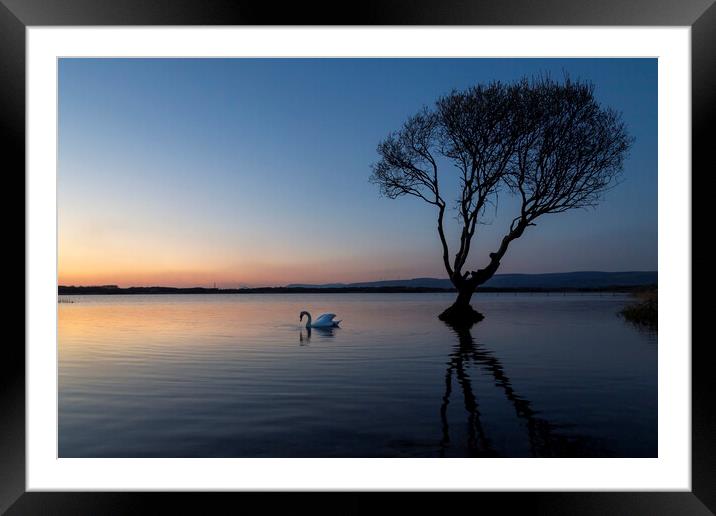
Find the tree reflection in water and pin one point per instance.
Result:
(544, 441)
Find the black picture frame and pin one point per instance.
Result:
(17, 15)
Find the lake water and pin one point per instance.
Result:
(235, 376)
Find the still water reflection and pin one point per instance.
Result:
(236, 376)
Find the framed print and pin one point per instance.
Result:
(413, 249)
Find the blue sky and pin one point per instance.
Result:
(255, 172)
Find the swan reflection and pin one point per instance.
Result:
(304, 336)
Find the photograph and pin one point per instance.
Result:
(394, 257)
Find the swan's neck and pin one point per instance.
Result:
(308, 324)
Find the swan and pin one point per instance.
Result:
(324, 321)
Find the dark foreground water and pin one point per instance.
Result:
(235, 376)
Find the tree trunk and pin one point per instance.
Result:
(461, 312)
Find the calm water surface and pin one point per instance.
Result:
(235, 376)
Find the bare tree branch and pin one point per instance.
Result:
(408, 167)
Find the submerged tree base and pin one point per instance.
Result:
(461, 315)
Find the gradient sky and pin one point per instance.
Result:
(255, 172)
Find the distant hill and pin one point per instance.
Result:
(557, 280)
(415, 283)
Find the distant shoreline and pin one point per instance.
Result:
(112, 290)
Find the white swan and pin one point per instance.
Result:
(324, 321)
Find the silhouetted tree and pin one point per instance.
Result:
(548, 143)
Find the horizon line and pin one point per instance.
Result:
(215, 284)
